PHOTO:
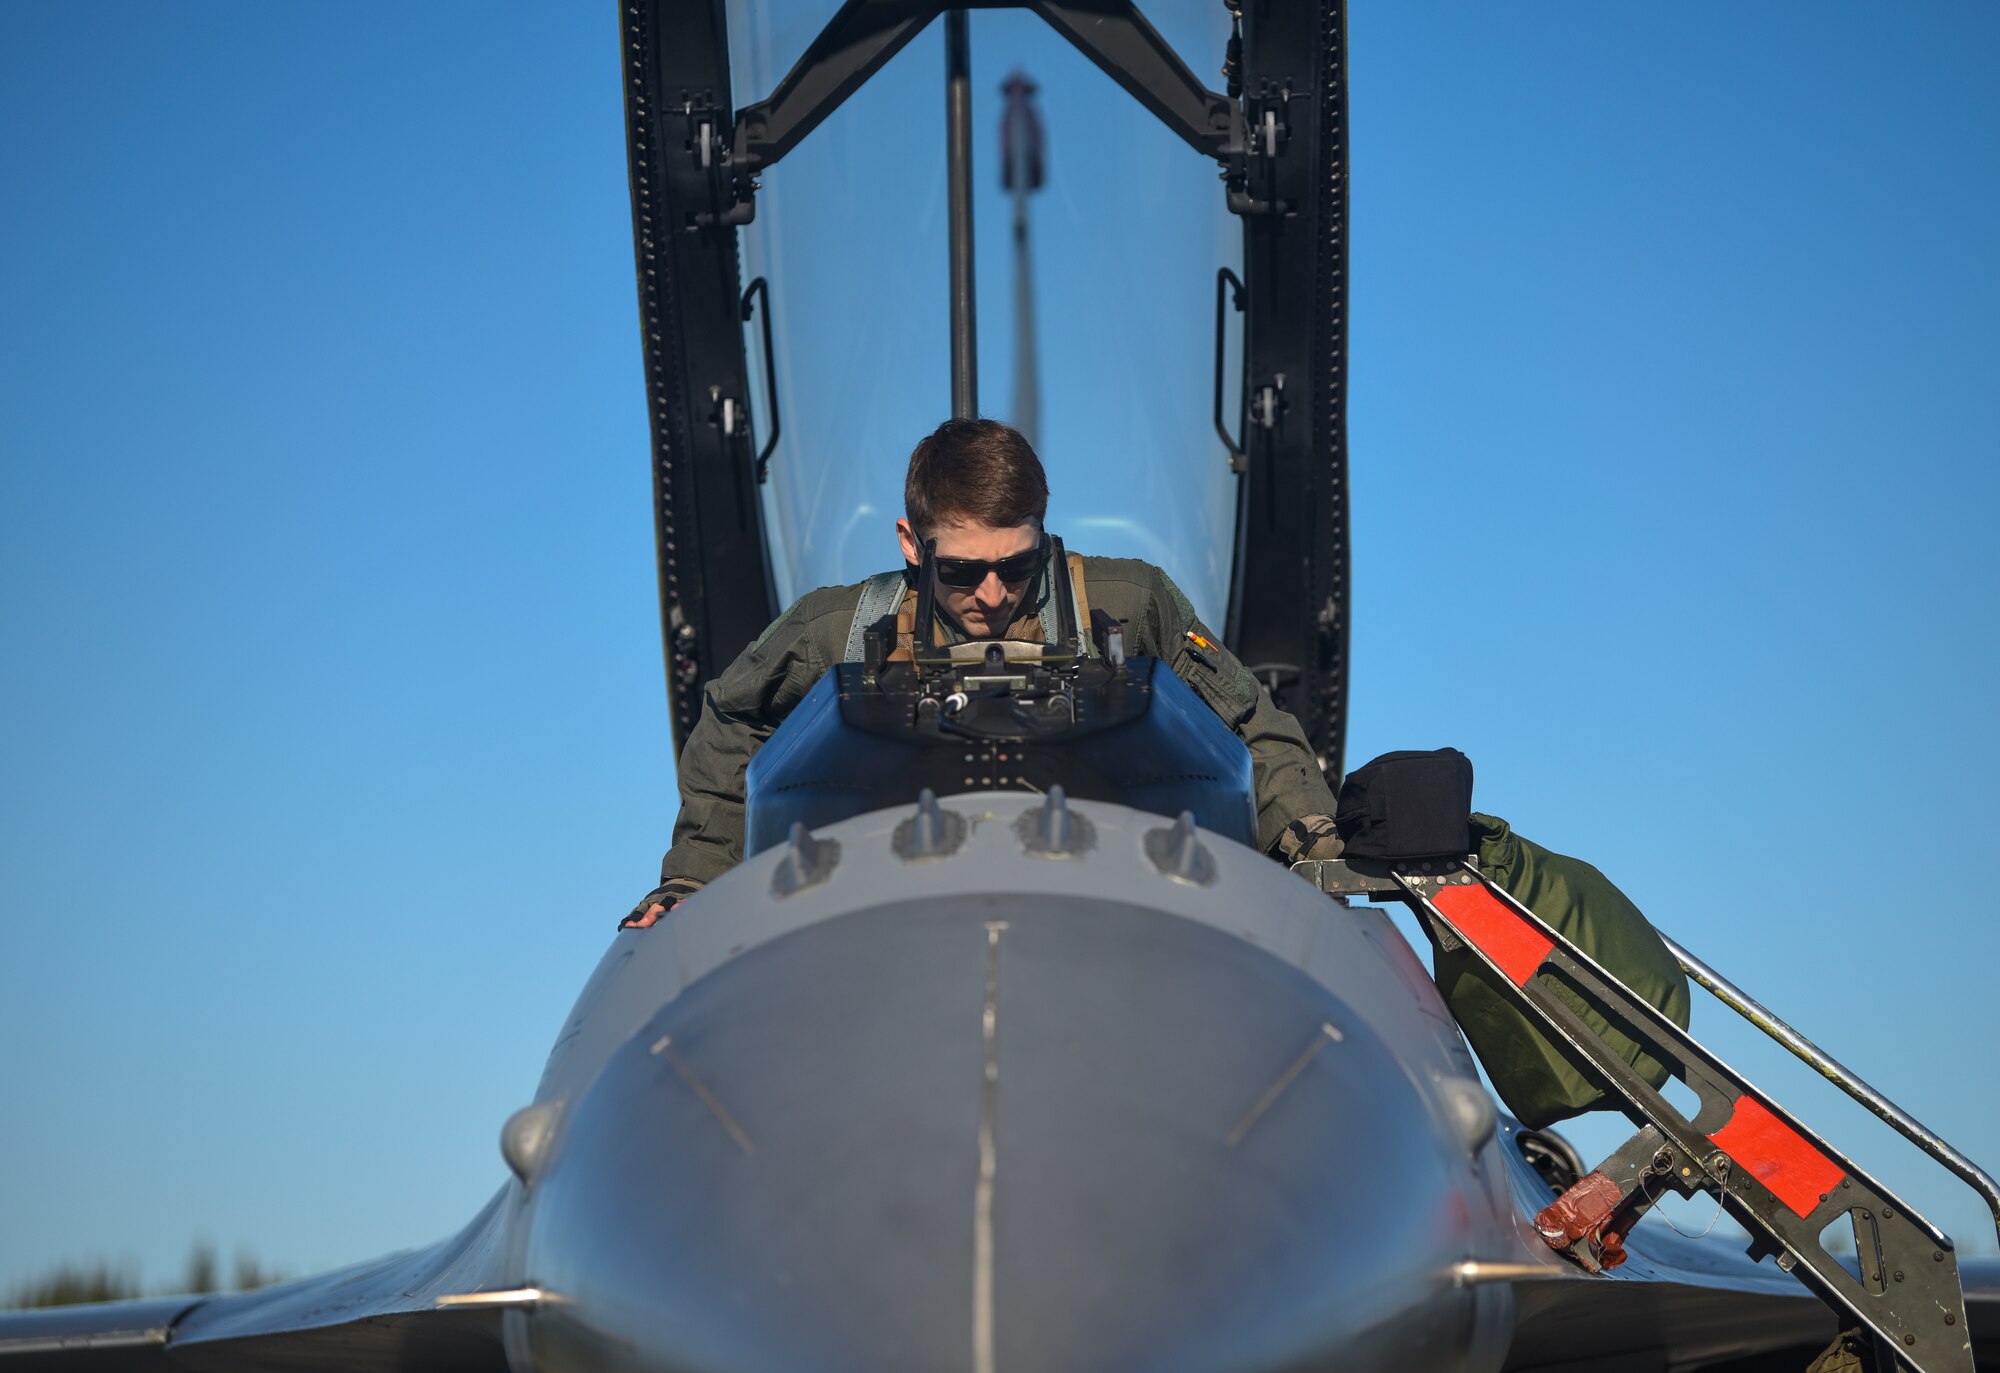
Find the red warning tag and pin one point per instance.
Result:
(1777, 1156)
(1511, 942)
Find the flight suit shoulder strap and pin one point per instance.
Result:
(881, 595)
(1051, 620)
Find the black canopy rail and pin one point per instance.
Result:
(1289, 584)
(716, 588)
(1279, 137)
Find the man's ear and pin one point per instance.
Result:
(907, 537)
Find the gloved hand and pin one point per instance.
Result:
(1309, 836)
(659, 901)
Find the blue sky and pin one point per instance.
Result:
(336, 736)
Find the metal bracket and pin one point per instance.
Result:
(1125, 45)
(1592, 1217)
(1267, 407)
(710, 144)
(1267, 132)
(1379, 880)
(730, 417)
(865, 34)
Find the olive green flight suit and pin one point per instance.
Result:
(746, 704)
(1533, 1076)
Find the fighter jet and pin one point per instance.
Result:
(1004, 1048)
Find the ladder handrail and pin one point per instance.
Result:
(1838, 1073)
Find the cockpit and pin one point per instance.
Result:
(1075, 712)
(1164, 313)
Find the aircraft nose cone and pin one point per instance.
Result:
(1069, 1135)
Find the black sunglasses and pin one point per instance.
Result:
(966, 573)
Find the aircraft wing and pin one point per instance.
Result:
(1687, 1307)
(1679, 1307)
(370, 1318)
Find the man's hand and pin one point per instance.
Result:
(658, 902)
(645, 919)
(1309, 836)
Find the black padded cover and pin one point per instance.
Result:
(1408, 804)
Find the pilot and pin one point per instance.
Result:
(977, 488)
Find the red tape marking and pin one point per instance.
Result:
(1777, 1156)
(1511, 942)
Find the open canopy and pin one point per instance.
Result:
(807, 178)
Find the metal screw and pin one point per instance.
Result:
(1937, 1256)
(1951, 1318)
(1899, 1275)
(1909, 1339)
(1888, 1213)
(1864, 1214)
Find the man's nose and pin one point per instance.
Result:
(992, 591)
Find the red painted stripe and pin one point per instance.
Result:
(1517, 947)
(1777, 1156)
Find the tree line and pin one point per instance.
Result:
(69, 1284)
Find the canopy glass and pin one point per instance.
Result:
(1125, 239)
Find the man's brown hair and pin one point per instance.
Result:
(977, 470)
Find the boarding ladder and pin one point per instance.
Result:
(1783, 1182)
